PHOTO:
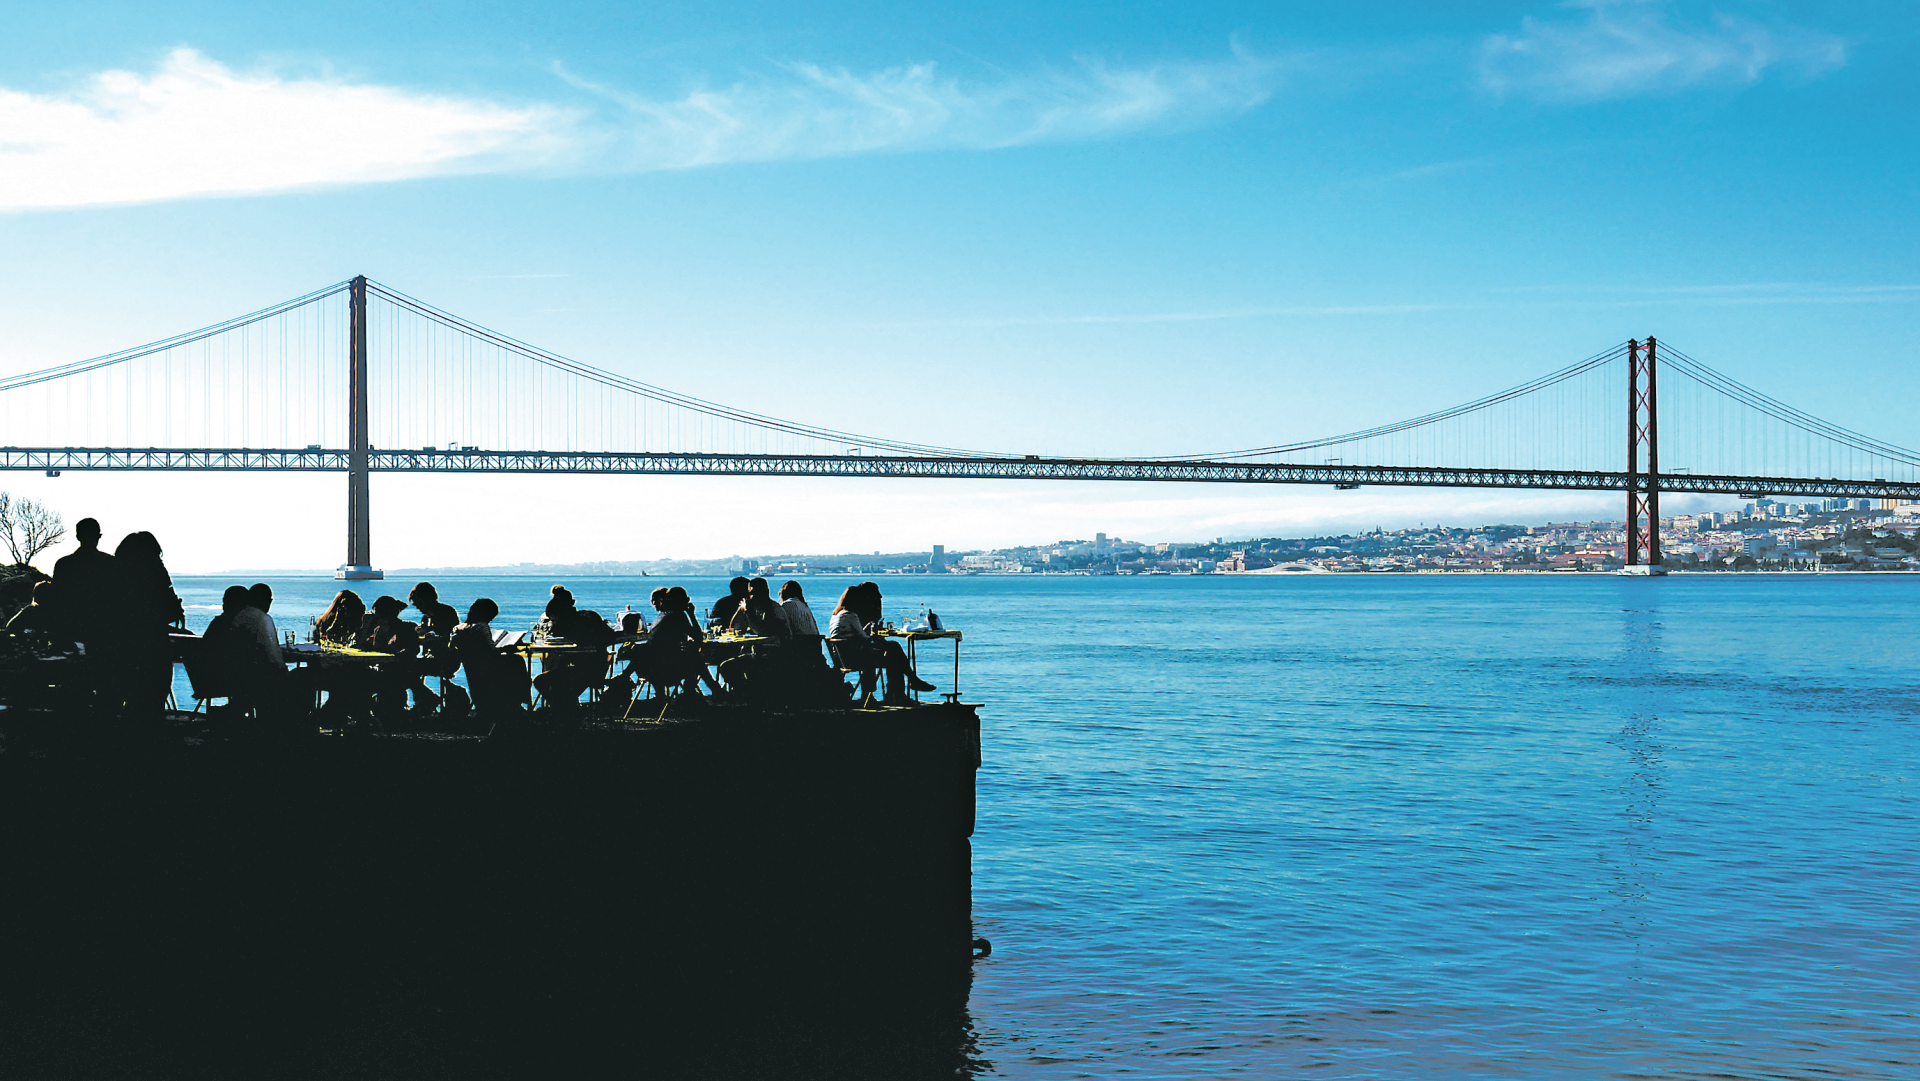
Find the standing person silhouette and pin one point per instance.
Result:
(86, 579)
(148, 607)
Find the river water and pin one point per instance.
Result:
(1555, 826)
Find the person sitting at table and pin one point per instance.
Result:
(564, 677)
(724, 608)
(759, 615)
(799, 615)
(245, 658)
(670, 657)
(254, 621)
(496, 680)
(385, 632)
(349, 688)
(850, 631)
(340, 623)
(806, 632)
(560, 601)
(437, 620)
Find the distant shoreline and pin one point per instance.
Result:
(415, 575)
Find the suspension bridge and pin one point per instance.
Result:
(359, 378)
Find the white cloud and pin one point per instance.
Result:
(809, 111)
(1634, 47)
(195, 127)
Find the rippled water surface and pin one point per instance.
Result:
(1425, 827)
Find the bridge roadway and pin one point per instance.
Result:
(315, 459)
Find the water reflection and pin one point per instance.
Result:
(1634, 863)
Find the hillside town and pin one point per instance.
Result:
(1832, 535)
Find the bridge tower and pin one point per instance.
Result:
(359, 564)
(1643, 487)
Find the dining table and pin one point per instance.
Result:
(913, 638)
(550, 650)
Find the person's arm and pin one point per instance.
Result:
(273, 640)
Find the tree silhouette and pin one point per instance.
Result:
(28, 527)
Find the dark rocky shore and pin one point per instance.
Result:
(739, 894)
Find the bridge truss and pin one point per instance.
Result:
(318, 460)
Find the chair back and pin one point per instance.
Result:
(869, 677)
(203, 669)
(839, 661)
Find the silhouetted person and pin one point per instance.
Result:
(564, 677)
(850, 629)
(385, 632)
(258, 624)
(340, 623)
(496, 680)
(245, 652)
(799, 615)
(216, 641)
(87, 586)
(349, 687)
(670, 656)
(436, 624)
(559, 603)
(147, 608)
(725, 607)
(760, 614)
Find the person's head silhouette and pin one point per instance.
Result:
(87, 532)
(482, 611)
(234, 599)
(261, 596)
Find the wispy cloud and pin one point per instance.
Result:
(1623, 48)
(1694, 296)
(809, 111)
(195, 127)
(1729, 294)
(989, 322)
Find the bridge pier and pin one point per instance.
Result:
(359, 564)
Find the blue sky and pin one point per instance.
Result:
(1082, 229)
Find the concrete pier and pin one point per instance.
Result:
(554, 905)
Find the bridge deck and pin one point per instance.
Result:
(316, 459)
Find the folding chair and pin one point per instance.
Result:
(204, 675)
(869, 677)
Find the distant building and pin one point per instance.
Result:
(937, 563)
